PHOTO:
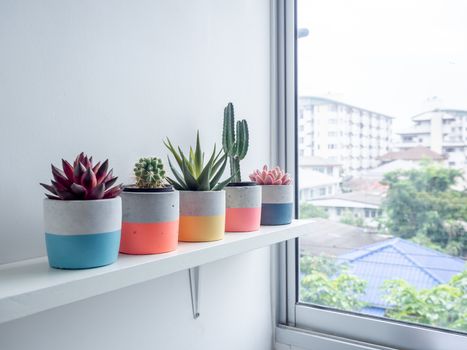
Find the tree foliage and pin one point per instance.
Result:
(350, 219)
(326, 282)
(308, 210)
(444, 305)
(421, 204)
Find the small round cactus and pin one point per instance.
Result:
(150, 173)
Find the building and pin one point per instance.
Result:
(443, 131)
(370, 181)
(360, 205)
(398, 258)
(318, 177)
(351, 136)
(314, 184)
(322, 165)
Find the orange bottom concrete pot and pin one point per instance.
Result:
(150, 221)
(243, 207)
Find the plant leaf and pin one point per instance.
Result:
(97, 192)
(222, 184)
(67, 169)
(171, 148)
(188, 177)
(198, 155)
(49, 188)
(175, 184)
(203, 178)
(109, 183)
(89, 179)
(102, 171)
(79, 191)
(219, 173)
(78, 172)
(60, 176)
(113, 192)
(177, 175)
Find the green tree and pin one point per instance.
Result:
(421, 204)
(442, 306)
(350, 219)
(327, 282)
(308, 210)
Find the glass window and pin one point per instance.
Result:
(400, 254)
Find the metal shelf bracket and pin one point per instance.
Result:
(193, 274)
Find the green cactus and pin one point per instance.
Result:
(149, 173)
(235, 141)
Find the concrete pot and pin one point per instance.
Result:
(277, 204)
(202, 216)
(150, 221)
(82, 234)
(243, 207)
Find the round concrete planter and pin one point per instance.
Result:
(277, 204)
(150, 221)
(202, 216)
(243, 207)
(82, 234)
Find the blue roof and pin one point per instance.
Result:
(397, 258)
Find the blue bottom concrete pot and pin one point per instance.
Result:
(277, 204)
(82, 234)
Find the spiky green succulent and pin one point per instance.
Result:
(149, 173)
(193, 174)
(235, 141)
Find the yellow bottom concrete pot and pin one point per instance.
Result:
(202, 216)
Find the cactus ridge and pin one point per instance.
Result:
(235, 141)
(149, 173)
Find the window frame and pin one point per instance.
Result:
(300, 324)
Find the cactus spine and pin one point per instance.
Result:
(235, 141)
(149, 173)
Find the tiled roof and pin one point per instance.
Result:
(413, 153)
(397, 258)
(332, 238)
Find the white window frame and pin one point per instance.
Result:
(299, 324)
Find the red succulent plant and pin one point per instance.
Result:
(82, 180)
(274, 176)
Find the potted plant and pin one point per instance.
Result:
(82, 215)
(150, 211)
(277, 200)
(243, 199)
(202, 198)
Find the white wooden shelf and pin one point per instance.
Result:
(31, 286)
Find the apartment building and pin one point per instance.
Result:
(351, 136)
(442, 130)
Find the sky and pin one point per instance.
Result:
(396, 57)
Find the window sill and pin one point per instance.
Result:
(31, 286)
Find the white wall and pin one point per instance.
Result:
(112, 78)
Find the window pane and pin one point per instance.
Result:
(382, 141)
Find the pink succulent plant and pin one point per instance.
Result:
(274, 176)
(82, 181)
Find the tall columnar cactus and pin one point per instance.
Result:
(235, 141)
(149, 173)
